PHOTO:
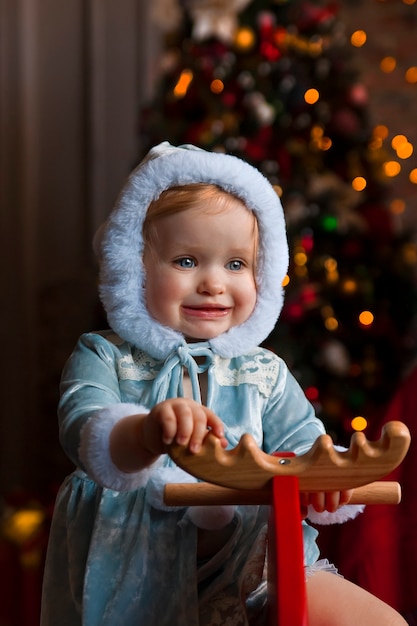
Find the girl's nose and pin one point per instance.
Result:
(211, 283)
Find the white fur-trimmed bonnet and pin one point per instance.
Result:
(121, 247)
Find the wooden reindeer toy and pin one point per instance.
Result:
(247, 475)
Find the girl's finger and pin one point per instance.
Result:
(184, 413)
(215, 424)
(332, 501)
(200, 429)
(318, 500)
(345, 496)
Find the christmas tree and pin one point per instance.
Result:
(276, 83)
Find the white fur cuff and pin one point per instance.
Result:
(211, 517)
(94, 449)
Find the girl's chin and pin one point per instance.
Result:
(203, 337)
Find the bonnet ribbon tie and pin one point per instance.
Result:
(169, 381)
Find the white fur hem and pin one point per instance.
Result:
(94, 449)
(342, 515)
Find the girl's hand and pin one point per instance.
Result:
(325, 501)
(181, 420)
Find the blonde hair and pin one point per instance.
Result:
(185, 197)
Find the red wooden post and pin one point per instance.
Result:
(286, 578)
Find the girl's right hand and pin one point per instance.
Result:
(181, 420)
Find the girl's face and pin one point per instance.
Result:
(200, 270)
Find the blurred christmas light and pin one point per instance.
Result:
(285, 281)
(307, 241)
(405, 150)
(358, 38)
(349, 286)
(311, 96)
(375, 143)
(388, 64)
(309, 296)
(183, 83)
(300, 258)
(316, 132)
(392, 168)
(245, 38)
(359, 183)
(312, 393)
(23, 524)
(315, 47)
(366, 318)
(280, 37)
(381, 131)
(332, 277)
(410, 253)
(331, 323)
(325, 143)
(411, 75)
(300, 271)
(216, 85)
(329, 222)
(397, 206)
(330, 264)
(359, 423)
(402, 146)
(269, 51)
(327, 311)
(413, 176)
(398, 140)
(295, 311)
(318, 140)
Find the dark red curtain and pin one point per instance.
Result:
(378, 550)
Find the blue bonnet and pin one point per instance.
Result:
(121, 247)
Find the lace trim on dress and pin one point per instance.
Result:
(137, 366)
(261, 370)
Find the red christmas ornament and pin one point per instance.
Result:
(312, 16)
(345, 122)
(309, 296)
(358, 95)
(266, 22)
(229, 99)
(269, 51)
(307, 241)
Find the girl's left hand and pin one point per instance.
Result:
(325, 501)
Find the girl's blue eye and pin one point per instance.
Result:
(234, 265)
(186, 262)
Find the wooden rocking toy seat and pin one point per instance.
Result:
(247, 475)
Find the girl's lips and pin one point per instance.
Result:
(207, 311)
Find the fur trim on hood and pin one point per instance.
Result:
(121, 248)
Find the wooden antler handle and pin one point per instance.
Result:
(322, 468)
(196, 494)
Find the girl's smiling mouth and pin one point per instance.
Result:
(206, 310)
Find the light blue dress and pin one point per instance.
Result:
(114, 558)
